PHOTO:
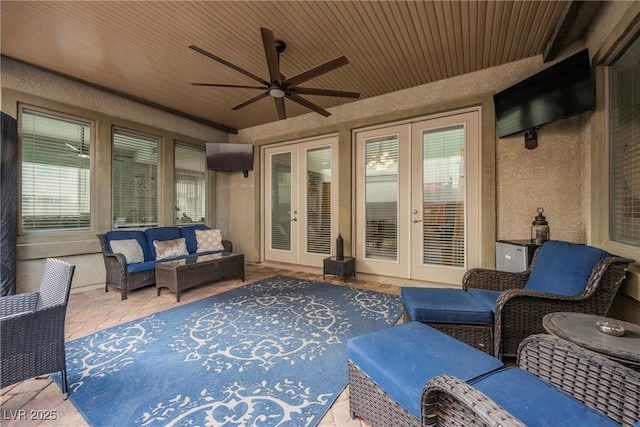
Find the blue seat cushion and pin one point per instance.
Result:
(160, 233)
(486, 297)
(536, 402)
(127, 235)
(563, 268)
(445, 306)
(402, 359)
(189, 234)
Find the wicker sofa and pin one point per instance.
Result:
(414, 375)
(129, 276)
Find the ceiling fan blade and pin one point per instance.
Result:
(324, 92)
(229, 64)
(251, 101)
(316, 71)
(310, 105)
(280, 107)
(227, 85)
(269, 43)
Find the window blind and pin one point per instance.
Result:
(135, 186)
(443, 196)
(56, 174)
(319, 200)
(624, 145)
(281, 201)
(190, 189)
(381, 198)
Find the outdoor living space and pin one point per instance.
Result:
(399, 145)
(94, 310)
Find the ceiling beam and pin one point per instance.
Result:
(574, 22)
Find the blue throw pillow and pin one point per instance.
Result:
(563, 268)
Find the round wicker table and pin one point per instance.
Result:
(582, 329)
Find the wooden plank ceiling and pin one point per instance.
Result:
(142, 48)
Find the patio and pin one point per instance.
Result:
(39, 401)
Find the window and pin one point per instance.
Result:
(56, 172)
(624, 143)
(190, 177)
(135, 180)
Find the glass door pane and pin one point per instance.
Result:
(381, 198)
(443, 198)
(281, 201)
(318, 224)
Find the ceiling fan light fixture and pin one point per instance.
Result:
(277, 92)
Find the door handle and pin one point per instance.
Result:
(294, 219)
(416, 221)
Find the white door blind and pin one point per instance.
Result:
(281, 201)
(624, 122)
(443, 196)
(319, 200)
(135, 186)
(190, 176)
(56, 175)
(381, 198)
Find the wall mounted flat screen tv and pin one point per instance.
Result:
(562, 90)
(222, 156)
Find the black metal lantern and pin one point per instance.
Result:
(339, 247)
(540, 228)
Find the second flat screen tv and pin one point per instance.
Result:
(222, 156)
(562, 90)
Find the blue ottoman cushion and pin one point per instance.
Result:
(445, 306)
(486, 296)
(536, 402)
(402, 359)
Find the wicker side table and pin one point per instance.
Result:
(581, 329)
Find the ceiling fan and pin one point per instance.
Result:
(277, 86)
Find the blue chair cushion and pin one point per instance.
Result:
(486, 297)
(189, 234)
(127, 235)
(445, 306)
(160, 233)
(141, 266)
(563, 268)
(402, 359)
(536, 402)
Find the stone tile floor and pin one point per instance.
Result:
(38, 402)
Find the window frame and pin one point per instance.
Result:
(158, 178)
(93, 129)
(617, 43)
(206, 181)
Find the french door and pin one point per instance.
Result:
(300, 201)
(418, 198)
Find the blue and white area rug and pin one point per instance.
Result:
(271, 353)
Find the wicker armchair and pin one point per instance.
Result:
(519, 311)
(511, 308)
(596, 381)
(32, 328)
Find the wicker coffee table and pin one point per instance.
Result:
(197, 270)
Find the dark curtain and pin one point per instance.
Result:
(8, 204)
